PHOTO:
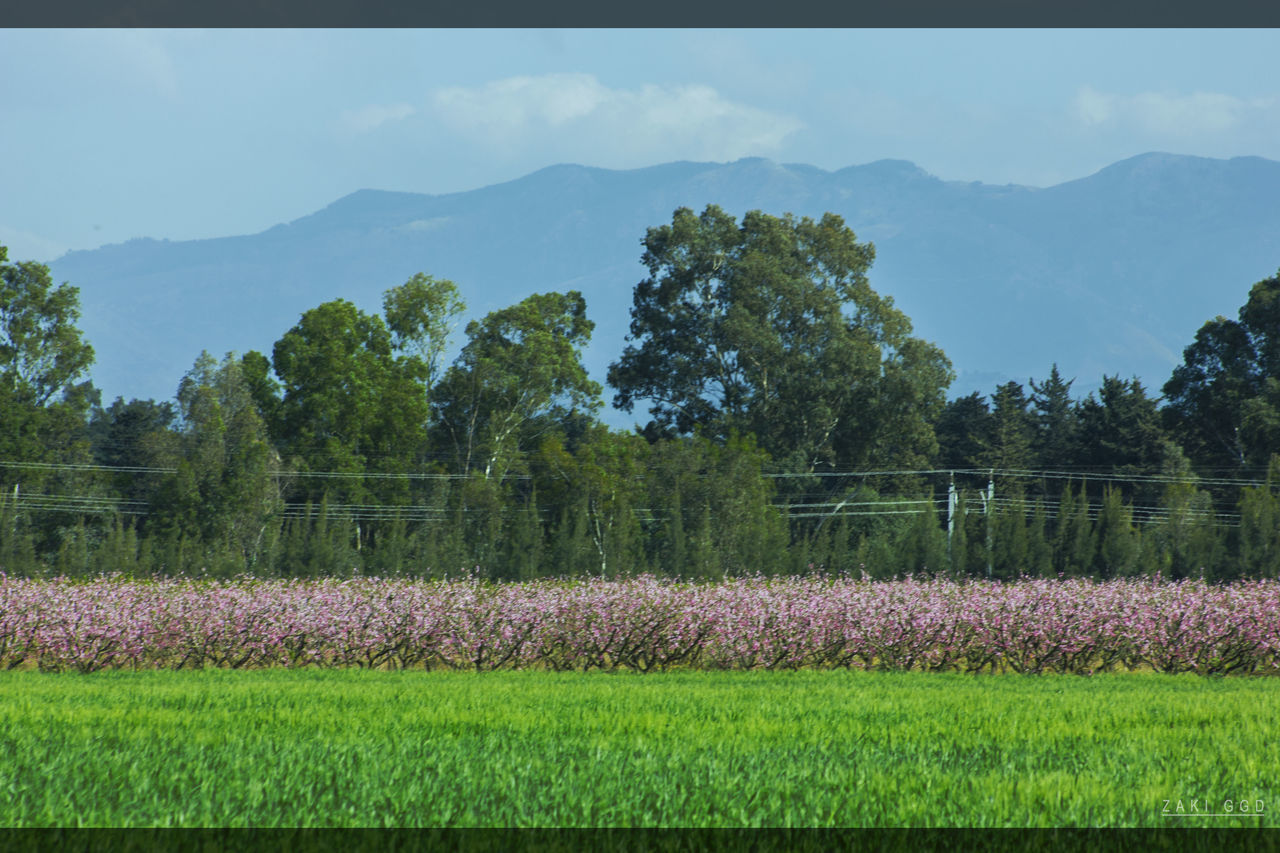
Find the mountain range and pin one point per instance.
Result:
(1112, 273)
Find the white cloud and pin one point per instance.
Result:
(1181, 115)
(1201, 111)
(583, 119)
(516, 103)
(1093, 107)
(374, 116)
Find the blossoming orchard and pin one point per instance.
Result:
(644, 624)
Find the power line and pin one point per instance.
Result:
(1004, 473)
(84, 466)
(139, 469)
(1008, 473)
(933, 501)
(1051, 506)
(1138, 514)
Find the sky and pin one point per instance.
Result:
(109, 135)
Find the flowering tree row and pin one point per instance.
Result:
(644, 623)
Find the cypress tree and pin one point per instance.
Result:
(388, 553)
(291, 561)
(119, 550)
(17, 542)
(623, 538)
(673, 559)
(705, 558)
(1084, 541)
(572, 552)
(1039, 549)
(1074, 542)
(803, 554)
(74, 551)
(525, 544)
(1011, 545)
(327, 550)
(922, 543)
(1187, 540)
(446, 546)
(1118, 544)
(840, 557)
(1259, 538)
(146, 552)
(877, 557)
(959, 544)
(976, 535)
(1259, 535)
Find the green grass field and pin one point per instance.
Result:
(358, 748)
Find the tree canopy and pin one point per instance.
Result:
(43, 405)
(1224, 399)
(520, 365)
(348, 401)
(770, 327)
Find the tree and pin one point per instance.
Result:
(597, 476)
(921, 544)
(1011, 545)
(1119, 544)
(713, 512)
(958, 558)
(1055, 416)
(1220, 401)
(41, 350)
(1260, 525)
(1120, 431)
(963, 429)
(1009, 445)
(132, 435)
(519, 374)
(255, 368)
(1186, 542)
(224, 493)
(771, 328)
(1075, 540)
(1039, 548)
(55, 433)
(421, 314)
(119, 433)
(43, 407)
(349, 402)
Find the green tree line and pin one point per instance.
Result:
(795, 423)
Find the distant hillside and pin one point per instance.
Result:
(1112, 273)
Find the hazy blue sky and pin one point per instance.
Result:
(114, 134)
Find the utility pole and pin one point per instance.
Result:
(951, 511)
(988, 504)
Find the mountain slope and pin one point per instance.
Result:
(1111, 273)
